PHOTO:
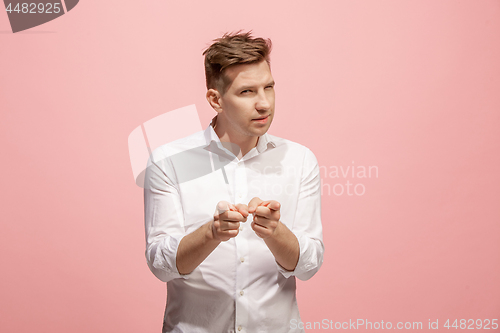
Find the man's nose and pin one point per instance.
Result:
(263, 102)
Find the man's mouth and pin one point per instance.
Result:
(260, 118)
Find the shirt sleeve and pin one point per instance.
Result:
(164, 222)
(307, 224)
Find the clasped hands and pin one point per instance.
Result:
(227, 218)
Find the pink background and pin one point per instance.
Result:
(411, 87)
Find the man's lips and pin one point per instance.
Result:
(261, 120)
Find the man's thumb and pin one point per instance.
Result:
(252, 205)
(222, 207)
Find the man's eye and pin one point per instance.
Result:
(270, 87)
(245, 91)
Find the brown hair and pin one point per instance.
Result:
(229, 50)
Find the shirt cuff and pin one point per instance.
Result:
(165, 258)
(309, 262)
(285, 272)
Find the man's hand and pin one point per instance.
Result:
(197, 246)
(266, 216)
(227, 218)
(279, 239)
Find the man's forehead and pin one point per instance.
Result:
(249, 74)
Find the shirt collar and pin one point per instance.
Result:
(212, 139)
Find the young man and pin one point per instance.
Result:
(234, 270)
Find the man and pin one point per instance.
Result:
(234, 270)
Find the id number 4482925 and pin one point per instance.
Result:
(471, 324)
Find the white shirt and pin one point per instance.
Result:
(239, 287)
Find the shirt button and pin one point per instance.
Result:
(241, 228)
(240, 328)
(239, 195)
(242, 259)
(242, 292)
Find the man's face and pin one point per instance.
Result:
(248, 99)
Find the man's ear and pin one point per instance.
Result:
(214, 99)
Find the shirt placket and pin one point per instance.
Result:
(242, 272)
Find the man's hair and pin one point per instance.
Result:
(230, 50)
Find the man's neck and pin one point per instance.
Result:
(245, 143)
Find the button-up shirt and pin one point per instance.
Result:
(239, 287)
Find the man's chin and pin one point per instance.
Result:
(260, 131)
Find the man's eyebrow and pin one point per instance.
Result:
(272, 83)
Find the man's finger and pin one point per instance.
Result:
(262, 211)
(262, 221)
(228, 225)
(243, 209)
(259, 229)
(224, 206)
(274, 205)
(233, 217)
(231, 233)
(252, 205)
(267, 212)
